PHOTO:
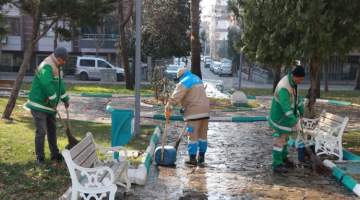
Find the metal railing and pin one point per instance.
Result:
(100, 36)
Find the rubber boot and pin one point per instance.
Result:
(201, 158)
(192, 160)
(287, 162)
(278, 162)
(280, 169)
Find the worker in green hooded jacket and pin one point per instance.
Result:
(47, 90)
(284, 118)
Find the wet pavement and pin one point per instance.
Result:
(238, 166)
(238, 161)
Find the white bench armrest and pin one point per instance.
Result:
(94, 174)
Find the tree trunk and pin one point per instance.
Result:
(250, 73)
(23, 67)
(195, 43)
(277, 76)
(98, 40)
(314, 90)
(123, 47)
(56, 36)
(235, 64)
(326, 79)
(357, 80)
(0, 52)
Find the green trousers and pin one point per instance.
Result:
(279, 154)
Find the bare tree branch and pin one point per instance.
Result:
(46, 29)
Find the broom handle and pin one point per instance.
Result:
(180, 136)
(61, 121)
(167, 123)
(67, 119)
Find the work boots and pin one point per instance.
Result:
(192, 160)
(280, 169)
(201, 158)
(289, 164)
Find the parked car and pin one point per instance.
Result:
(88, 67)
(171, 71)
(207, 62)
(216, 65)
(225, 67)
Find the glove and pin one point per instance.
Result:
(167, 114)
(298, 126)
(66, 104)
(167, 111)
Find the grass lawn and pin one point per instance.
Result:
(94, 88)
(21, 178)
(352, 95)
(351, 141)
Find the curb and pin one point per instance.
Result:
(106, 95)
(139, 175)
(334, 102)
(341, 176)
(238, 119)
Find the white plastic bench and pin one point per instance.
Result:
(326, 133)
(91, 178)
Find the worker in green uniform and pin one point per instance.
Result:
(285, 116)
(47, 90)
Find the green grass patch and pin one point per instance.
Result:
(98, 88)
(341, 95)
(351, 141)
(21, 178)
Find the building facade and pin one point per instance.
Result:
(100, 41)
(218, 28)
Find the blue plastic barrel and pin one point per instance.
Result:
(169, 157)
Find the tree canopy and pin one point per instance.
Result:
(165, 32)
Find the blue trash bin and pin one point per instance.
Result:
(122, 127)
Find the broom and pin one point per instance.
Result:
(72, 141)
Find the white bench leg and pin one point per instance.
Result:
(112, 192)
(74, 195)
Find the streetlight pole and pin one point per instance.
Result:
(137, 66)
(240, 71)
(241, 57)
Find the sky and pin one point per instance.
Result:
(206, 6)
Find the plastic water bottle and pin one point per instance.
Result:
(301, 152)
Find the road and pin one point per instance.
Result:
(230, 82)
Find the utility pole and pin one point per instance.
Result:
(137, 66)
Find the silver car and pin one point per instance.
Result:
(88, 67)
(225, 67)
(171, 71)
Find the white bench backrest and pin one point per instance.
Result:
(84, 153)
(333, 124)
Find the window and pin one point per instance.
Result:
(103, 64)
(13, 26)
(87, 63)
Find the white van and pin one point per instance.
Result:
(88, 67)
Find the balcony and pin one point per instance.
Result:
(105, 43)
(11, 43)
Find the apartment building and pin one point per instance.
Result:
(91, 41)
